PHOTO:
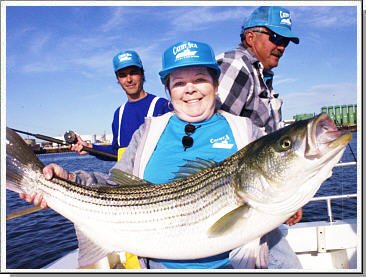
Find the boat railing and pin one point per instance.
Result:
(332, 197)
(345, 164)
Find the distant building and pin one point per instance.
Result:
(94, 138)
(30, 142)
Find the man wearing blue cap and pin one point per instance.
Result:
(246, 89)
(246, 79)
(129, 116)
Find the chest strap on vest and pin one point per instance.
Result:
(150, 113)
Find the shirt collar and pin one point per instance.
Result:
(253, 59)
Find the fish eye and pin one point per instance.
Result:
(286, 143)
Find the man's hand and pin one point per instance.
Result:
(77, 147)
(295, 218)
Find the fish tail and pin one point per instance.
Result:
(21, 163)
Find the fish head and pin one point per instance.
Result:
(293, 160)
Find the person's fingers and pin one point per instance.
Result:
(29, 197)
(37, 199)
(48, 172)
(44, 204)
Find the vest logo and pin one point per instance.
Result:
(185, 50)
(285, 18)
(125, 57)
(222, 142)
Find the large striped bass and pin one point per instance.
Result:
(218, 207)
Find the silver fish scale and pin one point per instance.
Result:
(165, 206)
(262, 176)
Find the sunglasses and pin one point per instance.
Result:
(276, 39)
(187, 140)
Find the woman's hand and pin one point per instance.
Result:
(49, 171)
(36, 198)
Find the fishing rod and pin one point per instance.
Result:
(23, 212)
(70, 138)
(67, 136)
(353, 154)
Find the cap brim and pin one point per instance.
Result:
(284, 32)
(169, 70)
(127, 65)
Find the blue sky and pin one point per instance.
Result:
(59, 73)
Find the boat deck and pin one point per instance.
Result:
(317, 245)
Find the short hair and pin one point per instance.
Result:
(257, 28)
(211, 71)
(142, 71)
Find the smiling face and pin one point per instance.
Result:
(193, 91)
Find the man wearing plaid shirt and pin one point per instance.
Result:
(246, 80)
(245, 89)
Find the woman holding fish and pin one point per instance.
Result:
(160, 148)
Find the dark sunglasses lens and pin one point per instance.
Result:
(284, 41)
(189, 129)
(187, 142)
(279, 40)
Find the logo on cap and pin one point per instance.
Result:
(184, 51)
(125, 57)
(285, 18)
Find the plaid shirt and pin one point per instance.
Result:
(243, 91)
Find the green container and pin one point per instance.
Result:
(355, 114)
(338, 117)
(344, 114)
(331, 112)
(324, 109)
(351, 118)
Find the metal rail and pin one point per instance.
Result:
(345, 164)
(329, 198)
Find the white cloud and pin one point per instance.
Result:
(278, 81)
(117, 16)
(325, 17)
(97, 61)
(38, 43)
(312, 100)
(44, 66)
(201, 18)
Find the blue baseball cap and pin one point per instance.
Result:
(275, 18)
(125, 59)
(188, 53)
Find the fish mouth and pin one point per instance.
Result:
(323, 135)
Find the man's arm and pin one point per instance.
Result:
(235, 84)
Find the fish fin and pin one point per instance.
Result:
(192, 167)
(251, 255)
(19, 150)
(126, 179)
(228, 221)
(20, 162)
(89, 251)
